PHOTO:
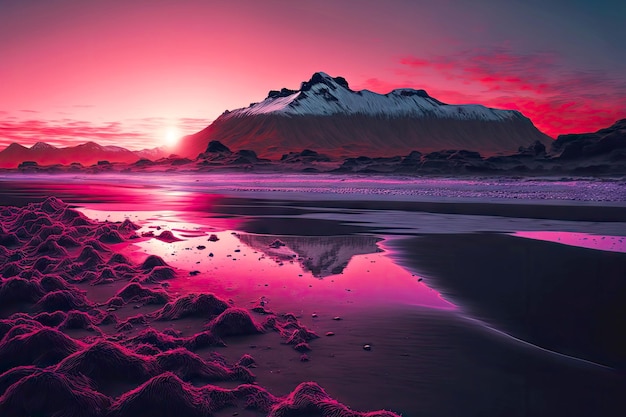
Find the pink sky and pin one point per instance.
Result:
(125, 72)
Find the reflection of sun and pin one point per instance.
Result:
(171, 137)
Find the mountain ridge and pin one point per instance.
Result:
(326, 115)
(87, 153)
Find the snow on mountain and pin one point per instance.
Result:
(327, 116)
(325, 96)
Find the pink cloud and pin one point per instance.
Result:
(557, 98)
(132, 134)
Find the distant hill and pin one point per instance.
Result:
(86, 154)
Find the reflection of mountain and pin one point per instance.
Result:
(321, 255)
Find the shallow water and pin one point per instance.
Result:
(338, 256)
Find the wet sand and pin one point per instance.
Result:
(567, 299)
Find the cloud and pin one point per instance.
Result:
(131, 133)
(557, 98)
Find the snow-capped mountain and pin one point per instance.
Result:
(326, 115)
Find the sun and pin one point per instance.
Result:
(171, 137)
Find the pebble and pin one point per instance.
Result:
(337, 318)
(314, 315)
(367, 347)
(330, 333)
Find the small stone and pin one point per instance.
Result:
(136, 306)
(330, 333)
(213, 238)
(304, 358)
(367, 347)
(111, 309)
(337, 318)
(211, 255)
(314, 315)
(276, 244)
(237, 250)
(201, 247)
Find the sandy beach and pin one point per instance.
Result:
(371, 304)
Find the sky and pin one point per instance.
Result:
(140, 73)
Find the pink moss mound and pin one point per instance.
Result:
(255, 397)
(51, 319)
(158, 274)
(64, 301)
(168, 237)
(104, 361)
(246, 361)
(202, 340)
(159, 340)
(136, 293)
(310, 399)
(131, 322)
(290, 329)
(151, 262)
(127, 227)
(118, 259)
(11, 376)
(188, 365)
(192, 305)
(17, 290)
(162, 396)
(234, 322)
(79, 320)
(41, 347)
(111, 236)
(53, 283)
(47, 393)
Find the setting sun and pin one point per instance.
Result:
(171, 137)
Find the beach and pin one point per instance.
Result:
(452, 307)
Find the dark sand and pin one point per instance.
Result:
(567, 299)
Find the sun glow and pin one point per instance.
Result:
(171, 137)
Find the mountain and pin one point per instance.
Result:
(327, 116)
(153, 154)
(45, 154)
(608, 141)
(321, 255)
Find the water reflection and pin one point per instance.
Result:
(582, 240)
(322, 256)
